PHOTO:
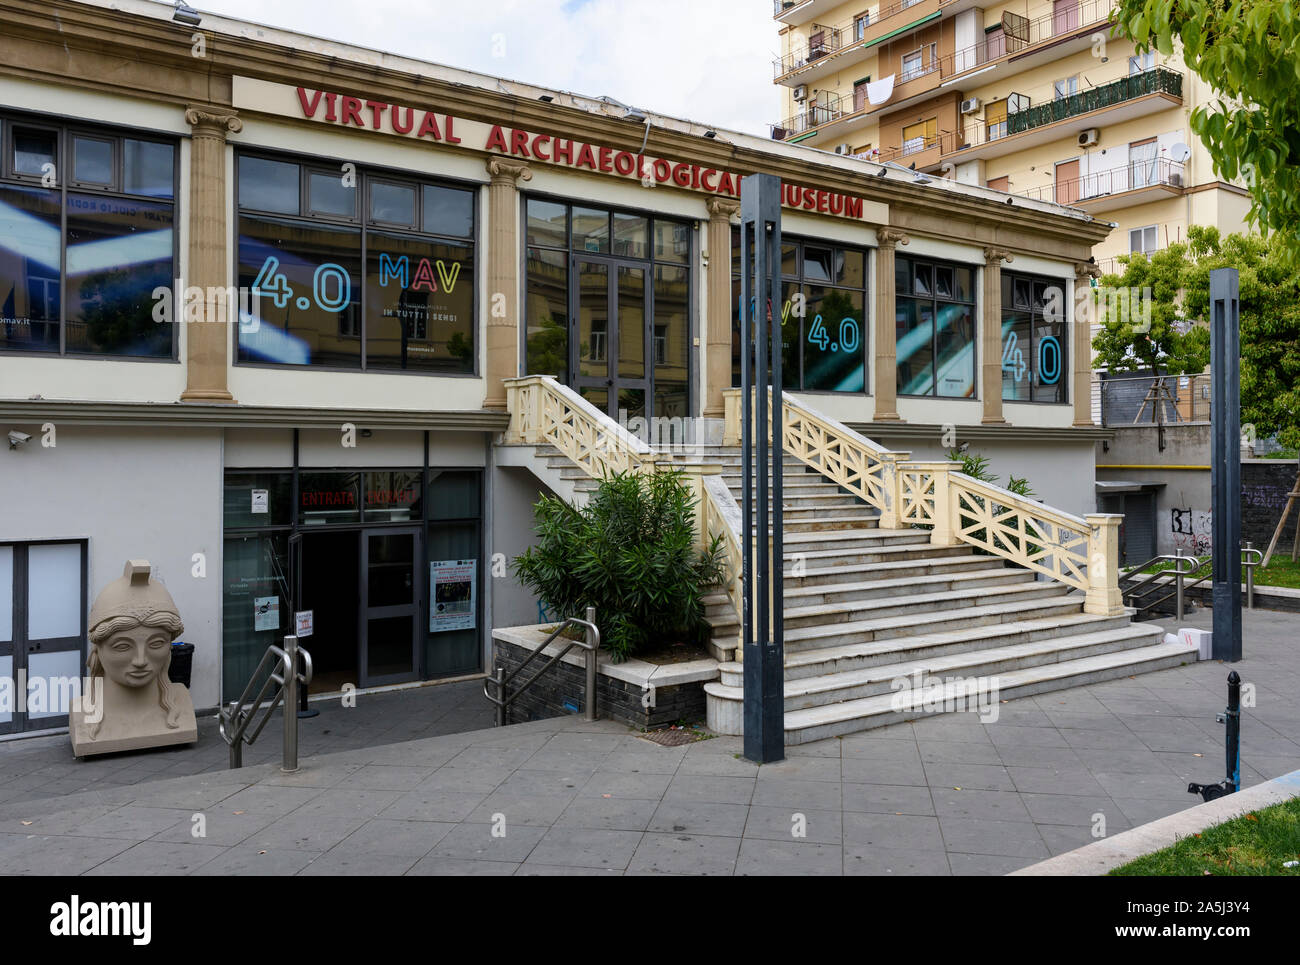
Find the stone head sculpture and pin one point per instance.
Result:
(133, 623)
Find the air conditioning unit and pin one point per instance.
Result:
(1176, 179)
(843, 148)
(1089, 137)
(970, 105)
(801, 92)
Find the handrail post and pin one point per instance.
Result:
(592, 656)
(1103, 597)
(501, 696)
(290, 762)
(1178, 581)
(1250, 577)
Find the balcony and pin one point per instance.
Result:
(801, 11)
(832, 46)
(1119, 187)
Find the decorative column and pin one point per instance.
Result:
(1103, 596)
(991, 337)
(1081, 344)
(501, 353)
(885, 350)
(717, 347)
(207, 343)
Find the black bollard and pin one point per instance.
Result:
(1232, 745)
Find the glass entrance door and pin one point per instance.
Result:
(390, 606)
(610, 338)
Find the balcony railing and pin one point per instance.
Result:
(828, 39)
(1099, 184)
(804, 121)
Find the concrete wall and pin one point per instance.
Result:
(513, 492)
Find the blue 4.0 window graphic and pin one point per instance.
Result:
(849, 335)
(1049, 359)
(331, 286)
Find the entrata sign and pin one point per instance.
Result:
(342, 110)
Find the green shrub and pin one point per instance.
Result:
(977, 466)
(631, 554)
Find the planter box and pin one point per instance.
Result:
(635, 692)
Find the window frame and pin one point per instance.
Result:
(362, 222)
(1066, 376)
(935, 300)
(1155, 230)
(65, 130)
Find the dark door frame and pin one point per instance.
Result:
(366, 612)
(611, 381)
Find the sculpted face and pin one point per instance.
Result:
(135, 657)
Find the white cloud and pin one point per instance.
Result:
(707, 60)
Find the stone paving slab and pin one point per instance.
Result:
(946, 796)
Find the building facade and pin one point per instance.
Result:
(261, 295)
(1033, 99)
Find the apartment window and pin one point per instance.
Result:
(995, 119)
(860, 93)
(918, 62)
(375, 272)
(995, 43)
(1034, 363)
(1142, 163)
(86, 220)
(919, 136)
(1143, 240)
(1065, 87)
(825, 349)
(934, 325)
(860, 24)
(1140, 62)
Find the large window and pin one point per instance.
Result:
(1035, 365)
(823, 315)
(934, 324)
(86, 236)
(354, 269)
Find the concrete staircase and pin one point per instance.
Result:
(866, 608)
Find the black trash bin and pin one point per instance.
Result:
(182, 663)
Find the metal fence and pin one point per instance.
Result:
(1135, 400)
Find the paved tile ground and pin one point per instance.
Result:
(946, 795)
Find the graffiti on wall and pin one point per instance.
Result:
(1191, 530)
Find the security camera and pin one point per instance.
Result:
(186, 14)
(17, 438)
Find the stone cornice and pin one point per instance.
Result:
(919, 431)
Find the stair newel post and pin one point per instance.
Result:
(731, 407)
(946, 512)
(760, 320)
(1103, 596)
(891, 485)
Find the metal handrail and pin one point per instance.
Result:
(1158, 581)
(591, 644)
(234, 721)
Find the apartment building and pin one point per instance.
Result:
(1034, 99)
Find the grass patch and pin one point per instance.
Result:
(1257, 843)
(1281, 570)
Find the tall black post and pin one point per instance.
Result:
(762, 633)
(1225, 477)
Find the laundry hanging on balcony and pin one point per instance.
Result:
(880, 91)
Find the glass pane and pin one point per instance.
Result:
(392, 203)
(420, 304)
(1049, 362)
(53, 591)
(390, 576)
(1016, 356)
(268, 185)
(965, 286)
(631, 234)
(6, 595)
(902, 276)
(922, 281)
(307, 279)
(118, 253)
(327, 194)
(943, 282)
(258, 499)
(547, 313)
(52, 680)
(792, 327)
(448, 211)
(590, 229)
(671, 340)
(392, 497)
(850, 268)
(631, 405)
(789, 261)
(328, 497)
(817, 264)
(454, 494)
(148, 168)
(453, 651)
(92, 160)
(631, 322)
(29, 269)
(597, 397)
(672, 241)
(254, 574)
(6, 673)
(914, 325)
(33, 150)
(593, 319)
(547, 223)
(955, 365)
(1020, 294)
(834, 343)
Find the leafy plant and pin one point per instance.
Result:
(976, 466)
(630, 553)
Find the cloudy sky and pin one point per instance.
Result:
(706, 60)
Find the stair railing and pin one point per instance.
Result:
(590, 642)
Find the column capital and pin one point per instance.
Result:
(889, 237)
(993, 257)
(213, 121)
(504, 171)
(1086, 269)
(722, 209)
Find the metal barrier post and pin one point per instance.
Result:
(592, 655)
(290, 762)
(1250, 578)
(501, 696)
(1178, 581)
(236, 755)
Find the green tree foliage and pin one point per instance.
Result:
(630, 553)
(1249, 52)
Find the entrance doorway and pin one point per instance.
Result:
(329, 581)
(610, 338)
